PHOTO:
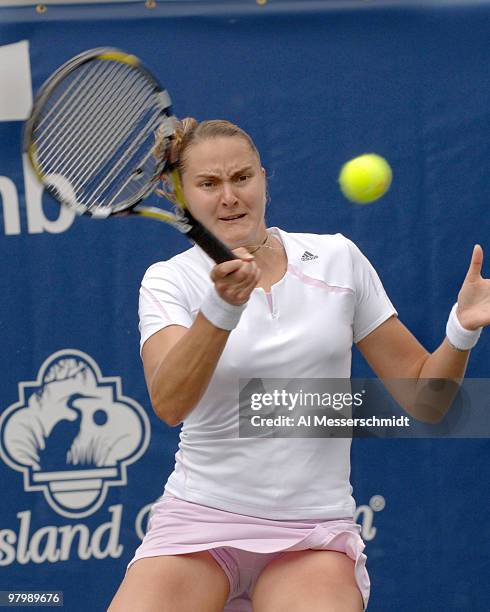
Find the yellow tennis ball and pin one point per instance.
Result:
(365, 178)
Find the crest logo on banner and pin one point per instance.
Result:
(72, 433)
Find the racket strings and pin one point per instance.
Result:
(86, 73)
(91, 170)
(103, 134)
(73, 125)
(94, 130)
(65, 121)
(125, 164)
(127, 182)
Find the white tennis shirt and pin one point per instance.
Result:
(329, 298)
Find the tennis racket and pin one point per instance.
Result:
(90, 139)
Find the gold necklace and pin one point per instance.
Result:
(260, 245)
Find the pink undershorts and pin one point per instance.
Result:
(243, 545)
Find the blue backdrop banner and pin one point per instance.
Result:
(315, 84)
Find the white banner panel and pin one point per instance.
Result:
(15, 77)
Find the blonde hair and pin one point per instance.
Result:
(188, 132)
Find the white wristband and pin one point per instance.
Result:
(460, 338)
(219, 312)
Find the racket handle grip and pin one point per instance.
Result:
(211, 245)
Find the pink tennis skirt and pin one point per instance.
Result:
(243, 545)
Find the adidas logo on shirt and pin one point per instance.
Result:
(307, 256)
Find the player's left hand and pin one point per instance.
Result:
(474, 297)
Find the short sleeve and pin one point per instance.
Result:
(372, 305)
(162, 301)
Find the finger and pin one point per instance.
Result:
(240, 294)
(240, 278)
(242, 253)
(239, 291)
(252, 283)
(249, 284)
(226, 268)
(474, 270)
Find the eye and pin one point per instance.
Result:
(207, 184)
(242, 178)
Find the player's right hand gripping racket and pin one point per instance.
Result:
(90, 140)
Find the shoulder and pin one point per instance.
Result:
(310, 245)
(332, 258)
(192, 262)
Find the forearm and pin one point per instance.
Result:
(438, 382)
(422, 383)
(183, 376)
(445, 362)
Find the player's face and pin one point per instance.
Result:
(224, 187)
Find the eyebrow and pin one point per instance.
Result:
(216, 174)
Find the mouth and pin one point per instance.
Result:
(231, 218)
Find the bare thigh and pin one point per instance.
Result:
(173, 582)
(308, 581)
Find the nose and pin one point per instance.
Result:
(228, 196)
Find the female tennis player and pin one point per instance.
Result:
(263, 522)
